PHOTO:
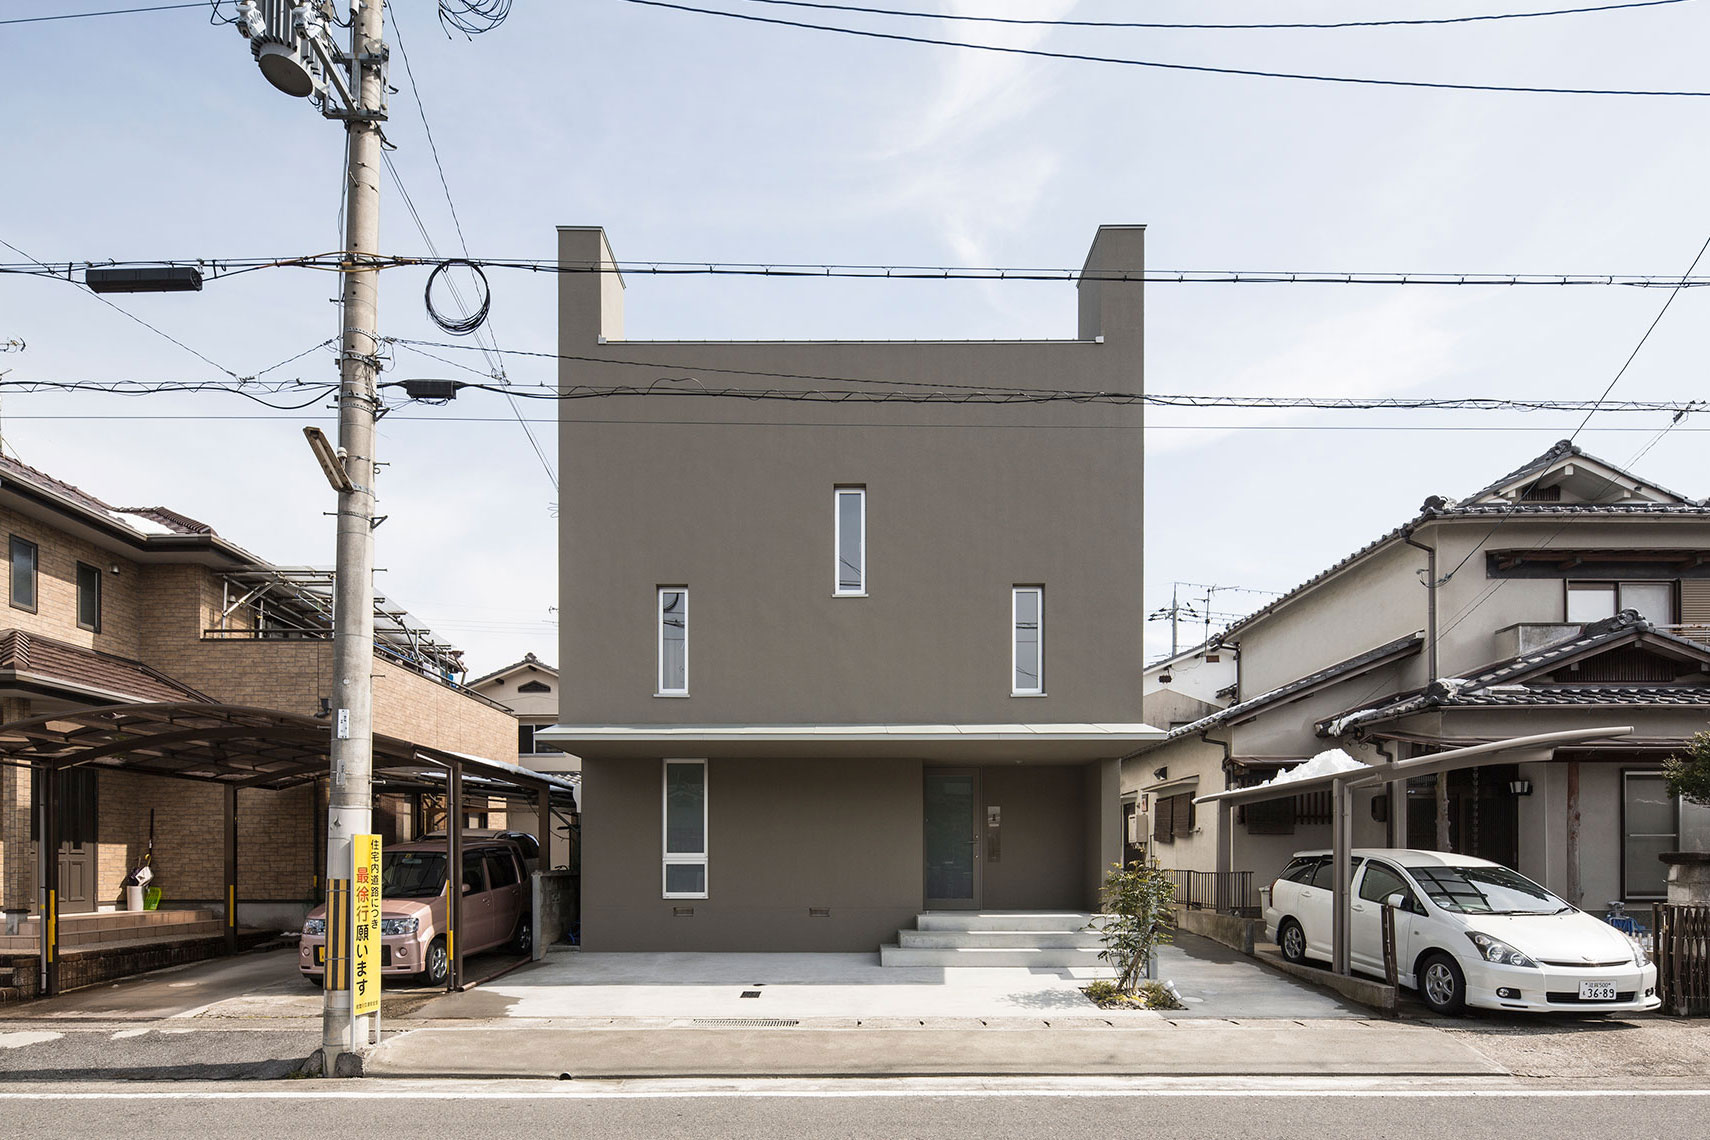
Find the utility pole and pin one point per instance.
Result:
(295, 51)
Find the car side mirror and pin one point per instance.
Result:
(468, 888)
(1397, 900)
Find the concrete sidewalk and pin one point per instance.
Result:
(1132, 1048)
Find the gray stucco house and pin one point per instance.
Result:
(858, 649)
(1567, 594)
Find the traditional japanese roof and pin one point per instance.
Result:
(1642, 499)
(1508, 683)
(528, 662)
(1303, 686)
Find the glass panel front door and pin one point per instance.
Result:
(952, 839)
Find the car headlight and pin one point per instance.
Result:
(1497, 951)
(398, 926)
(314, 927)
(1641, 956)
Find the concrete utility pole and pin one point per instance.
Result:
(294, 48)
(350, 806)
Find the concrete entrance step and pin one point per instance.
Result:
(997, 939)
(109, 928)
(1029, 957)
(1001, 920)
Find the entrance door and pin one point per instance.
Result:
(952, 839)
(78, 810)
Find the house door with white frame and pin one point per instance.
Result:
(952, 839)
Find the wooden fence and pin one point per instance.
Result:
(1683, 959)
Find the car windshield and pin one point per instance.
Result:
(412, 874)
(1486, 890)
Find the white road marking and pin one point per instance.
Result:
(124, 1033)
(27, 1037)
(853, 1094)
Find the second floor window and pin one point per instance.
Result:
(851, 540)
(23, 556)
(673, 641)
(89, 597)
(1027, 611)
(1594, 601)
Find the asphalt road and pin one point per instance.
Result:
(946, 1112)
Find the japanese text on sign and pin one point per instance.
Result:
(365, 923)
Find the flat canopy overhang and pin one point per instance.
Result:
(958, 743)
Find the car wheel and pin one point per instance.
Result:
(436, 967)
(522, 942)
(319, 982)
(1442, 985)
(1291, 940)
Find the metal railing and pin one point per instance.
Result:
(1226, 892)
(1683, 958)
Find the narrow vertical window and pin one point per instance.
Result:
(23, 556)
(1650, 822)
(1028, 616)
(851, 503)
(685, 829)
(673, 642)
(88, 597)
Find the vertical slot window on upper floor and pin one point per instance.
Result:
(23, 558)
(89, 597)
(1027, 617)
(673, 617)
(851, 518)
(1593, 601)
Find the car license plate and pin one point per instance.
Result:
(321, 960)
(1597, 991)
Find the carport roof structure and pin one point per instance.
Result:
(235, 747)
(232, 745)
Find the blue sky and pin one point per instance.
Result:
(691, 137)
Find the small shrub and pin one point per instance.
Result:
(1139, 916)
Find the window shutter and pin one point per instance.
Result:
(1163, 819)
(1695, 601)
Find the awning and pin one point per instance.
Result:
(971, 743)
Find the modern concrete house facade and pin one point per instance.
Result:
(1568, 594)
(830, 660)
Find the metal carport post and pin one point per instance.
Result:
(47, 854)
(1342, 785)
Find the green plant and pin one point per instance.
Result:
(1688, 776)
(1139, 916)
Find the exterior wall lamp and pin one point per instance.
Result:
(1520, 787)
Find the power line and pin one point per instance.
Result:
(1210, 27)
(218, 267)
(1081, 57)
(108, 12)
(133, 316)
(471, 18)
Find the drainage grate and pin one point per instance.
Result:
(747, 1022)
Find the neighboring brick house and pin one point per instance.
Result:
(110, 606)
(529, 689)
(1569, 594)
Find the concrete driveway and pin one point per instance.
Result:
(1214, 982)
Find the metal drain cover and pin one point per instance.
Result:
(747, 1022)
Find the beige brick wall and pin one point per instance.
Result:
(57, 556)
(17, 853)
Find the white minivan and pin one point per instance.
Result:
(1467, 932)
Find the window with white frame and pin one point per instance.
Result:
(1027, 617)
(673, 615)
(851, 523)
(685, 874)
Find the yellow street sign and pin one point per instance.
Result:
(365, 919)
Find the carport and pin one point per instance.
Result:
(236, 748)
(1531, 749)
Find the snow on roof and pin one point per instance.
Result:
(1327, 763)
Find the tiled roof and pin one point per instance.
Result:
(172, 521)
(1563, 449)
(528, 660)
(1498, 684)
(1400, 647)
(49, 662)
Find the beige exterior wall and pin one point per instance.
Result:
(55, 616)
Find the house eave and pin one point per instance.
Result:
(962, 743)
